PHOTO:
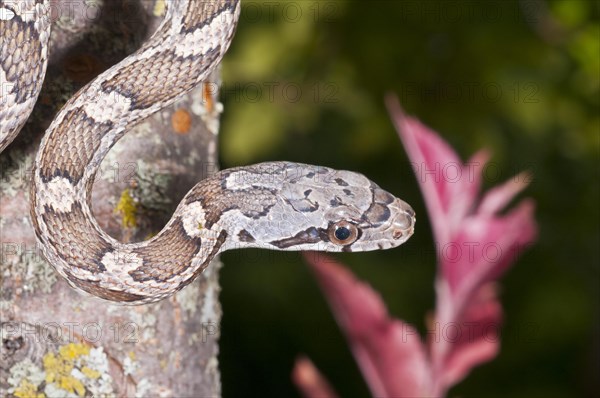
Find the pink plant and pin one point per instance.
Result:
(309, 380)
(475, 244)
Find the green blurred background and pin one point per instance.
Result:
(305, 81)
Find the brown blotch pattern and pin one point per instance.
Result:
(19, 41)
(245, 236)
(311, 235)
(137, 81)
(161, 265)
(217, 246)
(200, 13)
(220, 240)
(254, 202)
(377, 214)
(76, 239)
(71, 146)
(207, 193)
(107, 294)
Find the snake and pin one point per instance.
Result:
(276, 205)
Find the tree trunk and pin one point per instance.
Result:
(55, 340)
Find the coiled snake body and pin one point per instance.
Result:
(276, 205)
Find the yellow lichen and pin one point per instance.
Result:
(74, 350)
(71, 384)
(55, 367)
(159, 8)
(27, 389)
(90, 373)
(127, 207)
(58, 368)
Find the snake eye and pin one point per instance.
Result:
(343, 233)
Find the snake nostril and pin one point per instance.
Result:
(397, 234)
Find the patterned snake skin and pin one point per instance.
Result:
(276, 205)
(24, 33)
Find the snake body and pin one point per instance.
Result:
(24, 34)
(275, 205)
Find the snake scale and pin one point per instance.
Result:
(274, 205)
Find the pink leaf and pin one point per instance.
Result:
(475, 244)
(485, 247)
(498, 197)
(450, 187)
(310, 381)
(470, 339)
(389, 352)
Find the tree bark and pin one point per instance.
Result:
(54, 340)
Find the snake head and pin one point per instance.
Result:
(382, 222)
(306, 207)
